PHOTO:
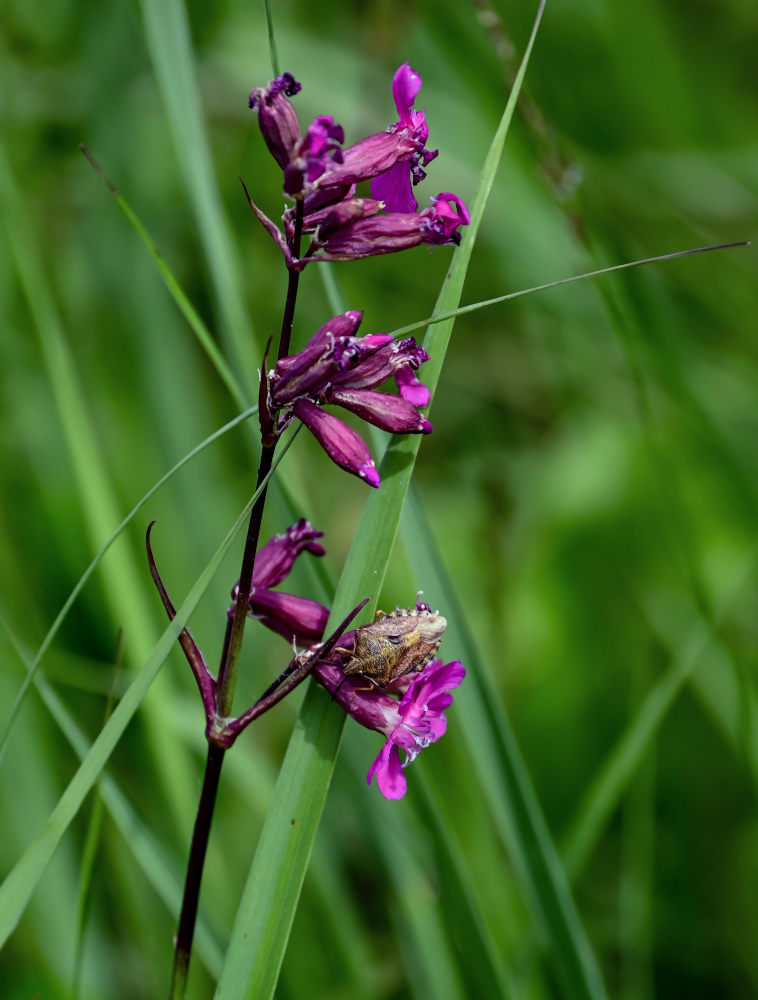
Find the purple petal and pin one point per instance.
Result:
(442, 220)
(380, 761)
(437, 677)
(388, 769)
(411, 389)
(394, 188)
(275, 559)
(437, 728)
(309, 371)
(341, 443)
(344, 325)
(391, 413)
(406, 84)
(370, 157)
(439, 702)
(449, 675)
(373, 370)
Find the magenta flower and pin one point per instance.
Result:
(393, 158)
(410, 725)
(338, 368)
(298, 619)
(423, 722)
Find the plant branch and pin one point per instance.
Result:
(300, 667)
(200, 834)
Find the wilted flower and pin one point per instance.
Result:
(312, 155)
(303, 159)
(370, 234)
(409, 725)
(338, 368)
(276, 116)
(296, 618)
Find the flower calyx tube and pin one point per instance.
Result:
(373, 234)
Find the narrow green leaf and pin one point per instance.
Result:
(502, 775)
(606, 790)
(162, 873)
(90, 850)
(170, 47)
(176, 291)
(403, 331)
(19, 884)
(271, 39)
(123, 584)
(483, 949)
(60, 617)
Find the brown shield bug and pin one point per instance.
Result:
(398, 643)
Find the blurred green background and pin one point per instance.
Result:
(591, 486)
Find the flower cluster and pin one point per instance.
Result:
(387, 677)
(338, 368)
(322, 178)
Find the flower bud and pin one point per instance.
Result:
(276, 116)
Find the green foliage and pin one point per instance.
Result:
(583, 513)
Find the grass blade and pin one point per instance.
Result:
(19, 884)
(90, 852)
(597, 273)
(607, 789)
(149, 854)
(170, 48)
(505, 782)
(123, 588)
(60, 617)
(189, 312)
